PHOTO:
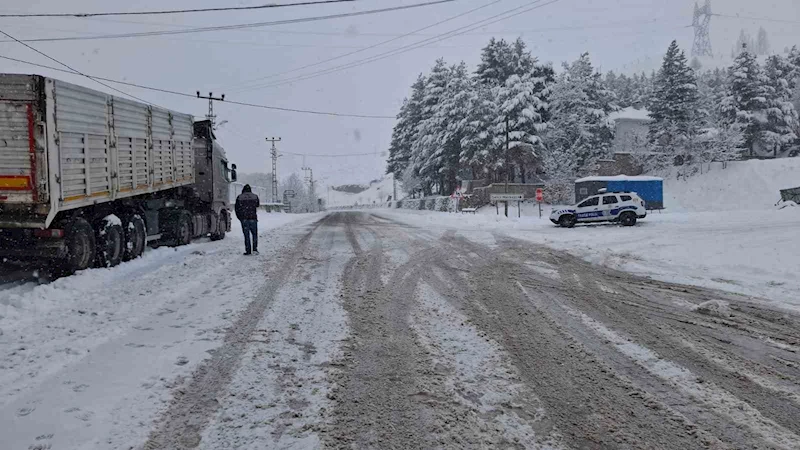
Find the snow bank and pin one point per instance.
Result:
(743, 185)
(620, 178)
(737, 251)
(630, 113)
(95, 355)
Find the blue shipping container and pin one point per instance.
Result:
(650, 189)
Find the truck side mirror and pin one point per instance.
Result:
(233, 172)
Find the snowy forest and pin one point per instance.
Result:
(514, 116)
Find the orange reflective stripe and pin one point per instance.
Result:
(15, 183)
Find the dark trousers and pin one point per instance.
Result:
(250, 227)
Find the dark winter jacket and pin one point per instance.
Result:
(247, 204)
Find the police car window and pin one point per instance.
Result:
(626, 198)
(610, 200)
(590, 202)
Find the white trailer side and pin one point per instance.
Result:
(68, 146)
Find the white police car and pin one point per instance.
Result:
(622, 207)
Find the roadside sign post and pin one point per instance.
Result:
(456, 197)
(505, 198)
(539, 199)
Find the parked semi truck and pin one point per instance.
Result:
(89, 179)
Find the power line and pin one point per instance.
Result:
(215, 41)
(266, 45)
(372, 46)
(239, 133)
(764, 19)
(241, 25)
(73, 69)
(176, 11)
(419, 44)
(182, 94)
(346, 155)
(561, 28)
(369, 34)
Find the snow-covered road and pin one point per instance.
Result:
(755, 253)
(384, 329)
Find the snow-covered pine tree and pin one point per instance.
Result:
(522, 62)
(611, 81)
(762, 42)
(746, 99)
(509, 76)
(477, 151)
(745, 41)
(429, 131)
(642, 90)
(794, 85)
(721, 142)
(520, 119)
(500, 60)
(403, 133)
(449, 118)
(711, 89)
(780, 133)
(580, 133)
(674, 108)
(793, 58)
(496, 62)
(623, 88)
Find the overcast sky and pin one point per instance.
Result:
(623, 35)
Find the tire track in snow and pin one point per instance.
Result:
(390, 392)
(591, 404)
(194, 405)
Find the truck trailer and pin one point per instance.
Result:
(88, 179)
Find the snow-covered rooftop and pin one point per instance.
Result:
(630, 113)
(620, 178)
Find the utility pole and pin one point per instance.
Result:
(274, 153)
(311, 192)
(210, 116)
(394, 187)
(508, 166)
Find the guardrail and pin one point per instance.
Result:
(388, 205)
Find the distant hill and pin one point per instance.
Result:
(378, 191)
(350, 188)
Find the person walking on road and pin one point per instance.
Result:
(246, 209)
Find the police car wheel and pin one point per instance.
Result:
(627, 219)
(567, 221)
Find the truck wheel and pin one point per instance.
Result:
(567, 221)
(109, 238)
(222, 228)
(627, 219)
(80, 245)
(135, 237)
(183, 229)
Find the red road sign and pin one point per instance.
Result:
(539, 194)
